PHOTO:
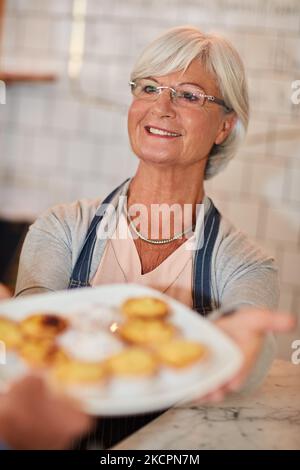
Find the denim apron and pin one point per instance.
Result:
(110, 430)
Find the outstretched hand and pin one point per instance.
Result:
(248, 328)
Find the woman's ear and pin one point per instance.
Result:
(227, 126)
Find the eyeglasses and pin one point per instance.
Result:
(188, 96)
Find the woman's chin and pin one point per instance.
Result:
(158, 159)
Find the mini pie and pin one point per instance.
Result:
(146, 332)
(40, 352)
(132, 362)
(180, 353)
(43, 325)
(145, 307)
(72, 371)
(10, 333)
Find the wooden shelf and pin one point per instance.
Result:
(16, 77)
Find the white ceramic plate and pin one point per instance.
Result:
(99, 309)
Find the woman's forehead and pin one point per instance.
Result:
(195, 73)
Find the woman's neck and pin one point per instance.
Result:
(154, 186)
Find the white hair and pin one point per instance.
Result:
(174, 50)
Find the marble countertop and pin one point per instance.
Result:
(269, 418)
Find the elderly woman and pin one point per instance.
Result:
(188, 115)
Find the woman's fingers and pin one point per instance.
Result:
(216, 397)
(212, 397)
(237, 382)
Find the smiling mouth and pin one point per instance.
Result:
(161, 132)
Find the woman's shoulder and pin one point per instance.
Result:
(240, 264)
(80, 211)
(234, 246)
(68, 219)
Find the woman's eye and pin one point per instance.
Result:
(149, 89)
(188, 96)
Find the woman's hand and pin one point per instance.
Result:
(32, 417)
(248, 328)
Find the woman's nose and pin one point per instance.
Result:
(164, 103)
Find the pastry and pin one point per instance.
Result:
(146, 332)
(43, 325)
(41, 352)
(145, 308)
(180, 353)
(10, 333)
(132, 362)
(72, 371)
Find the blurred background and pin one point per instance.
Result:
(63, 129)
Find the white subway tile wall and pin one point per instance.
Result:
(55, 147)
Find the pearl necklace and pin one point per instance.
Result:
(155, 242)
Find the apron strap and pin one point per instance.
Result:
(202, 298)
(81, 271)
